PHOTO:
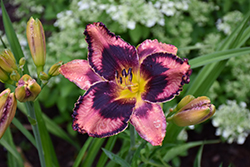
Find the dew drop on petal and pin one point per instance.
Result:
(157, 123)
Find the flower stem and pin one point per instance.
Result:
(31, 114)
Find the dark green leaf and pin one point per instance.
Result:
(116, 158)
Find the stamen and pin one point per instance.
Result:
(129, 70)
(124, 74)
(120, 80)
(130, 76)
(116, 74)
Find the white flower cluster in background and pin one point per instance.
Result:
(28, 4)
(127, 12)
(227, 22)
(232, 122)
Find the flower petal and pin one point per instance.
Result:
(79, 72)
(165, 74)
(108, 53)
(150, 122)
(149, 47)
(99, 113)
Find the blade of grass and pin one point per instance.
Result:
(217, 56)
(109, 146)
(180, 148)
(12, 38)
(82, 152)
(116, 158)
(14, 156)
(210, 72)
(24, 131)
(93, 150)
(136, 155)
(51, 126)
(197, 162)
(47, 146)
(57, 131)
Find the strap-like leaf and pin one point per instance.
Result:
(116, 158)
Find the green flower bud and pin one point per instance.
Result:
(7, 61)
(3, 76)
(8, 105)
(43, 76)
(27, 89)
(196, 111)
(54, 69)
(184, 101)
(22, 62)
(15, 76)
(36, 40)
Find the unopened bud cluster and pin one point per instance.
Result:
(27, 88)
(9, 70)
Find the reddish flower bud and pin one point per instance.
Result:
(196, 111)
(27, 89)
(36, 40)
(8, 106)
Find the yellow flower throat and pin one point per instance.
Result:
(131, 84)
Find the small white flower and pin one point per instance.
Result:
(157, 4)
(131, 25)
(150, 23)
(226, 133)
(218, 132)
(241, 139)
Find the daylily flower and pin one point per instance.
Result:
(124, 84)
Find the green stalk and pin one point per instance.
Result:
(93, 150)
(132, 148)
(31, 114)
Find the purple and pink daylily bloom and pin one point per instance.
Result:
(125, 84)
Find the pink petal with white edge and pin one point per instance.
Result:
(149, 47)
(165, 74)
(108, 53)
(150, 122)
(99, 113)
(79, 72)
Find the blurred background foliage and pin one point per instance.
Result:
(196, 27)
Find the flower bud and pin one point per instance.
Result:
(15, 76)
(43, 76)
(196, 111)
(54, 70)
(27, 89)
(8, 106)
(3, 76)
(36, 41)
(184, 101)
(7, 61)
(22, 62)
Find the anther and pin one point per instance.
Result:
(124, 74)
(130, 76)
(120, 80)
(116, 74)
(129, 70)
